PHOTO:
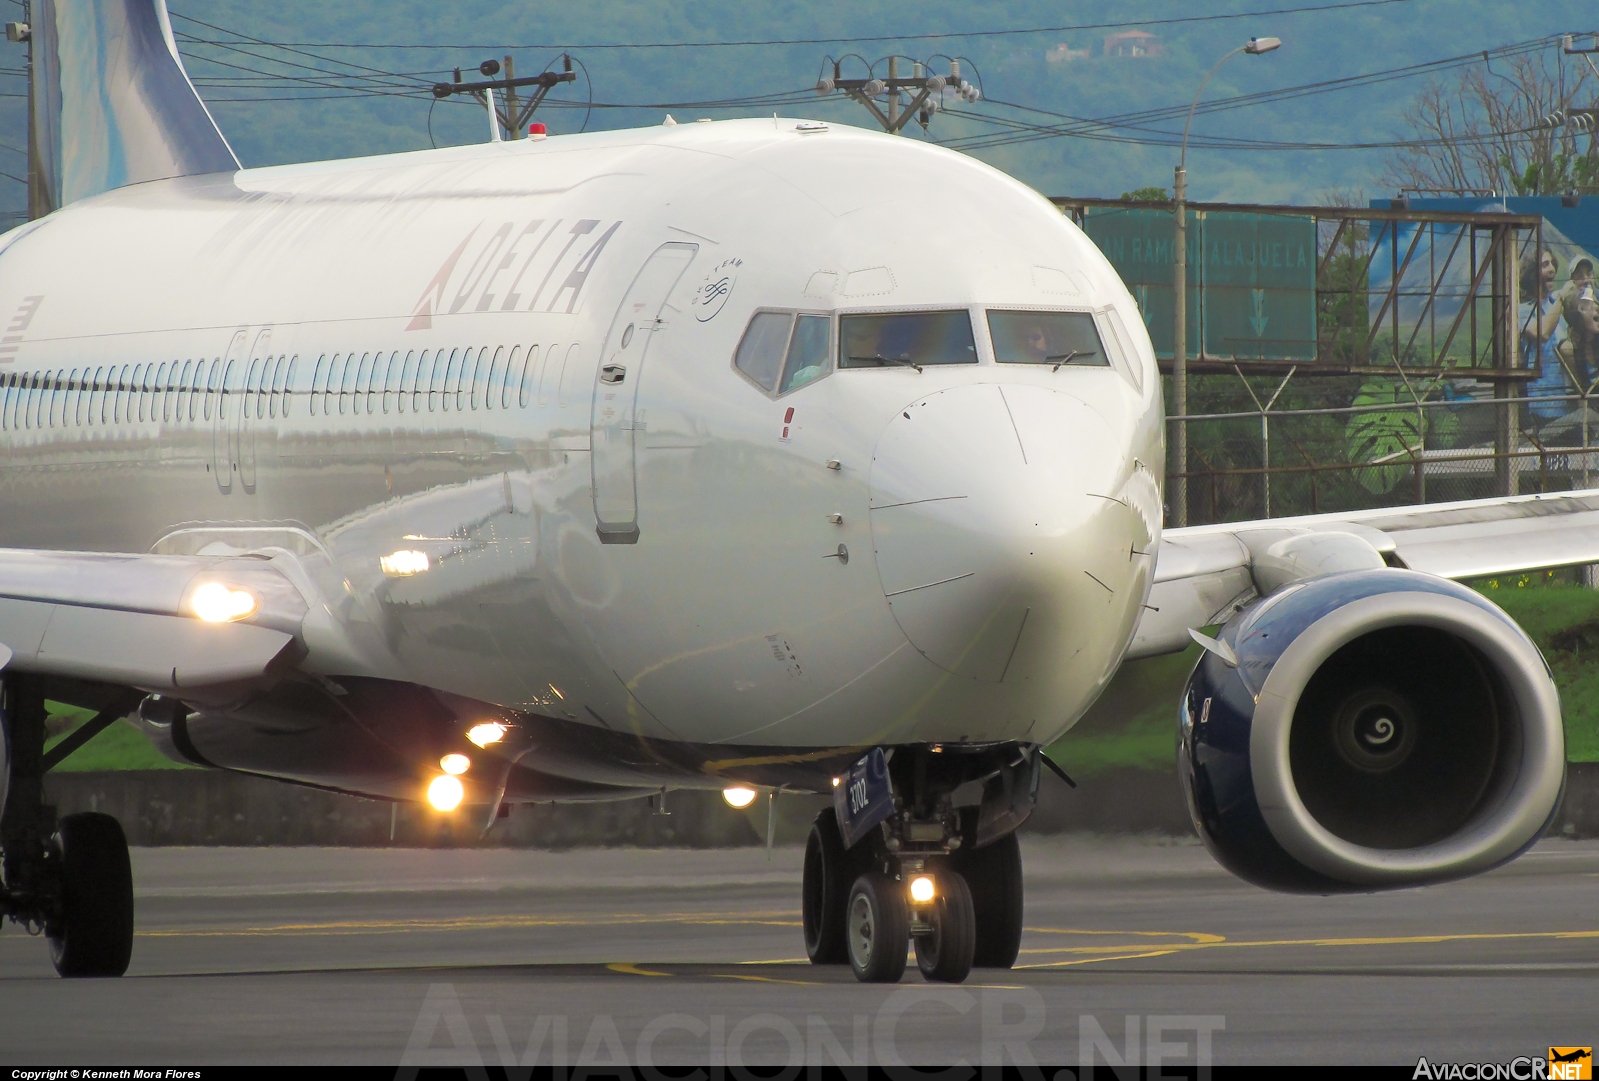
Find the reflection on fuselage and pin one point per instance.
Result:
(998, 521)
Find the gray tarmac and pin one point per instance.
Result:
(1135, 950)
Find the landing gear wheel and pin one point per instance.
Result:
(824, 896)
(944, 953)
(94, 932)
(879, 928)
(994, 874)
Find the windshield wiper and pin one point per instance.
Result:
(1065, 358)
(892, 360)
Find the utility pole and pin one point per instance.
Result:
(895, 114)
(1179, 356)
(38, 189)
(515, 131)
(515, 115)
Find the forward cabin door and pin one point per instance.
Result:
(621, 367)
(249, 404)
(224, 461)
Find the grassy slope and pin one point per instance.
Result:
(1135, 722)
(122, 746)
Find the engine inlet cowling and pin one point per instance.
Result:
(1380, 729)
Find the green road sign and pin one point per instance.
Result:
(1251, 279)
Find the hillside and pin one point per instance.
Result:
(1063, 71)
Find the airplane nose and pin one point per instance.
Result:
(1005, 529)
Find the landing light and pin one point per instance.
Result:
(455, 764)
(445, 793)
(739, 796)
(921, 889)
(404, 563)
(486, 733)
(216, 603)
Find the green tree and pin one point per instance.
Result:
(1391, 438)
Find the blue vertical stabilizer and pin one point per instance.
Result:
(112, 103)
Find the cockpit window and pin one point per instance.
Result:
(760, 354)
(1046, 338)
(807, 352)
(905, 339)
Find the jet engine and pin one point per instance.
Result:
(1370, 730)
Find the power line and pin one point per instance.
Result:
(1020, 132)
(291, 47)
(363, 85)
(1174, 20)
(1136, 121)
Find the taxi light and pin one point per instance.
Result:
(739, 796)
(921, 889)
(404, 563)
(455, 764)
(486, 733)
(445, 792)
(216, 603)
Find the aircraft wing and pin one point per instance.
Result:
(1206, 573)
(154, 622)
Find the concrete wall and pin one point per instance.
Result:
(213, 807)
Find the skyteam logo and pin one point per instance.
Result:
(714, 290)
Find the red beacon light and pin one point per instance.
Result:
(537, 131)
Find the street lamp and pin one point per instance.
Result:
(1179, 370)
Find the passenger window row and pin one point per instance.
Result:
(437, 380)
(198, 390)
(169, 392)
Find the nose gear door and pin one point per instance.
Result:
(621, 367)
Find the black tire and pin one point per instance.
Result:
(994, 874)
(944, 954)
(878, 930)
(829, 874)
(93, 935)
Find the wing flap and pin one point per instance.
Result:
(126, 619)
(1504, 546)
(151, 652)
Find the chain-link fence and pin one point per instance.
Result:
(1273, 462)
(1431, 356)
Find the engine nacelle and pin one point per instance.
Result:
(1379, 729)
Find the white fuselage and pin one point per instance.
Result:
(167, 386)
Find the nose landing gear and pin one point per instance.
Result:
(945, 931)
(921, 878)
(70, 879)
(877, 926)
